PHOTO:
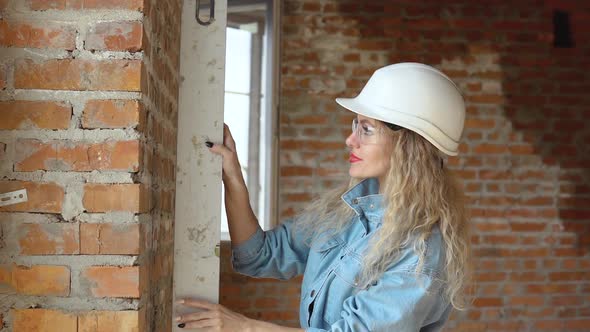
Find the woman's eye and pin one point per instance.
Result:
(367, 130)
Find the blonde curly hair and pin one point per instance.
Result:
(425, 195)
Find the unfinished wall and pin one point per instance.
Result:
(523, 159)
(87, 126)
(160, 80)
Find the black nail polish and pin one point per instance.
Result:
(181, 325)
(209, 144)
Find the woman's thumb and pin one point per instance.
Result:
(217, 148)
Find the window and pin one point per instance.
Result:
(249, 77)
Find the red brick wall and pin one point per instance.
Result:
(88, 100)
(523, 158)
(160, 100)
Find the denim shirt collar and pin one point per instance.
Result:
(365, 200)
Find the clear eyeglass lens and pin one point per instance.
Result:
(365, 136)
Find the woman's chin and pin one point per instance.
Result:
(355, 174)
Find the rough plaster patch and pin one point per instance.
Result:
(12, 53)
(23, 217)
(197, 234)
(109, 217)
(74, 97)
(81, 304)
(73, 205)
(92, 136)
(65, 178)
(76, 262)
(19, 10)
(57, 165)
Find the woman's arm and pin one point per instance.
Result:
(260, 326)
(276, 253)
(214, 315)
(240, 218)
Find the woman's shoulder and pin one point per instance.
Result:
(433, 263)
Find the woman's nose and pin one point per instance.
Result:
(352, 140)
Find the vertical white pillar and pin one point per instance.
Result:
(198, 173)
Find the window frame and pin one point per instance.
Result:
(268, 134)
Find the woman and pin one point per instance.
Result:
(388, 251)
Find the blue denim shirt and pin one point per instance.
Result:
(331, 300)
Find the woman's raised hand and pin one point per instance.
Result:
(227, 150)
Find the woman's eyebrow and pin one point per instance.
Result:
(365, 121)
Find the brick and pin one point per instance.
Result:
(296, 171)
(490, 149)
(37, 35)
(64, 155)
(311, 145)
(530, 252)
(42, 197)
(115, 36)
(521, 149)
(35, 280)
(569, 276)
(86, 4)
(34, 115)
(108, 321)
(485, 99)
(351, 57)
(311, 6)
(554, 325)
(476, 123)
(311, 120)
(110, 114)
(113, 281)
(77, 74)
(567, 300)
(536, 301)
(43, 320)
(491, 277)
(267, 302)
(48, 239)
(500, 239)
(115, 197)
(577, 324)
(109, 239)
(527, 227)
(488, 302)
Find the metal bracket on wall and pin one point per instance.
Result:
(13, 197)
(211, 13)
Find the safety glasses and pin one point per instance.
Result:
(366, 133)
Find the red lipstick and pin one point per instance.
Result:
(353, 158)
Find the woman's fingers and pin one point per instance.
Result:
(228, 140)
(230, 163)
(228, 146)
(209, 317)
(213, 322)
(198, 304)
(221, 150)
(196, 316)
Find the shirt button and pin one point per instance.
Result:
(372, 206)
(312, 293)
(355, 201)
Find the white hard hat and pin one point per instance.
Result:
(417, 97)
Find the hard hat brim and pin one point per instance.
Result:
(420, 126)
